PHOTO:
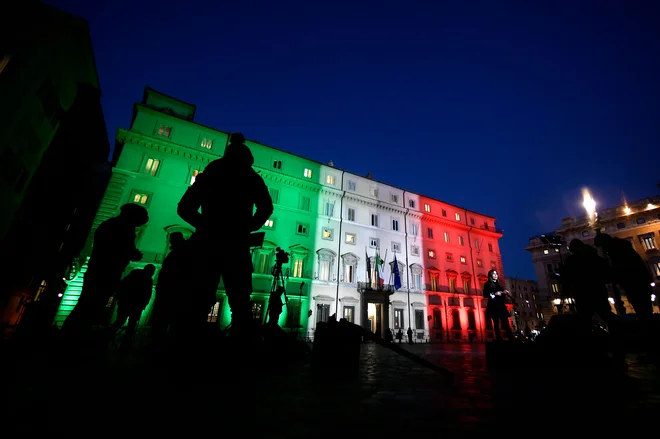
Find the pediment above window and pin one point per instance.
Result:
(186, 231)
(466, 275)
(298, 250)
(452, 273)
(350, 258)
(433, 269)
(416, 268)
(268, 245)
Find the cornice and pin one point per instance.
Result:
(288, 180)
(167, 147)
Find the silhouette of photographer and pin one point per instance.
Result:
(496, 306)
(227, 192)
(113, 249)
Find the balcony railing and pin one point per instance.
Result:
(489, 228)
(366, 286)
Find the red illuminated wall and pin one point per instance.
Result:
(455, 271)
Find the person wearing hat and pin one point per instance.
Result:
(113, 249)
(227, 192)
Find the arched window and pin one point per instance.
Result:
(349, 262)
(297, 261)
(416, 271)
(326, 264)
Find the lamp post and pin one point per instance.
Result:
(594, 223)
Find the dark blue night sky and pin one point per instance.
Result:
(506, 108)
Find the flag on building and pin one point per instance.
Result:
(368, 266)
(379, 271)
(397, 275)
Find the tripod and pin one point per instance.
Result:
(277, 289)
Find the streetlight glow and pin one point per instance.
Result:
(589, 204)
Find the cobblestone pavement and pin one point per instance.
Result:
(392, 394)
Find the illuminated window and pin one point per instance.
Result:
(327, 234)
(140, 198)
(434, 282)
(207, 143)
(432, 254)
(466, 286)
(262, 265)
(374, 192)
(349, 314)
(194, 175)
(479, 263)
(457, 216)
(463, 260)
(656, 268)
(427, 207)
(270, 223)
(350, 238)
(151, 166)
(555, 288)
(648, 241)
(298, 267)
(546, 251)
(452, 285)
(165, 131)
(213, 315)
(308, 173)
(460, 241)
(330, 179)
(324, 270)
(446, 236)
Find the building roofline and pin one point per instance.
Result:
(148, 89)
(300, 156)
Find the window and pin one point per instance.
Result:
(434, 282)
(419, 319)
(437, 321)
(374, 242)
(277, 164)
(374, 192)
(450, 257)
(656, 269)
(427, 208)
(270, 223)
(327, 234)
(330, 179)
(476, 244)
(416, 276)
(479, 263)
(207, 143)
(620, 225)
(213, 315)
(298, 266)
(257, 311)
(349, 314)
(546, 251)
(274, 195)
(463, 260)
(398, 319)
(585, 233)
(457, 216)
(351, 186)
(374, 220)
(351, 214)
(640, 220)
(452, 285)
(302, 229)
(304, 203)
(328, 208)
(460, 241)
(396, 247)
(490, 247)
(394, 198)
(142, 198)
(151, 166)
(411, 204)
(431, 254)
(262, 264)
(444, 212)
(308, 173)
(430, 233)
(349, 262)
(194, 175)
(324, 270)
(466, 286)
(414, 250)
(555, 288)
(350, 238)
(164, 131)
(322, 312)
(648, 241)
(414, 229)
(446, 236)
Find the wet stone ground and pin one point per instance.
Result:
(107, 394)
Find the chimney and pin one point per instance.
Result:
(331, 163)
(370, 176)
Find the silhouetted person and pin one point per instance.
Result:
(410, 335)
(496, 306)
(389, 337)
(113, 249)
(630, 272)
(227, 192)
(399, 335)
(171, 287)
(585, 277)
(133, 296)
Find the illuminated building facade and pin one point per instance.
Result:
(638, 222)
(528, 303)
(328, 219)
(53, 152)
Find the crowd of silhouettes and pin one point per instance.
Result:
(190, 274)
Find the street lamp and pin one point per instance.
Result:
(594, 222)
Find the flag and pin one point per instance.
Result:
(379, 271)
(397, 275)
(368, 266)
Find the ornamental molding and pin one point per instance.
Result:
(167, 147)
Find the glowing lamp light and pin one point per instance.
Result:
(627, 210)
(651, 206)
(589, 204)
(652, 297)
(611, 299)
(557, 302)
(653, 284)
(60, 294)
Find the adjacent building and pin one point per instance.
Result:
(528, 304)
(331, 221)
(638, 222)
(53, 152)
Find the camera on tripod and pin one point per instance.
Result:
(281, 257)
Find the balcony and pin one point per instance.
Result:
(489, 228)
(367, 287)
